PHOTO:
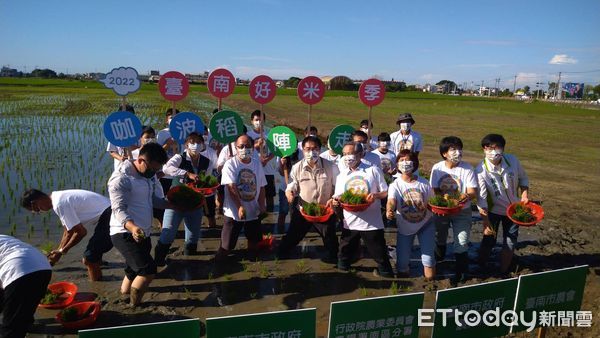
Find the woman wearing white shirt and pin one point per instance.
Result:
(184, 168)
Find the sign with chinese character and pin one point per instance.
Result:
(282, 141)
(185, 328)
(473, 302)
(262, 89)
(371, 92)
(122, 80)
(225, 126)
(183, 124)
(391, 316)
(220, 83)
(548, 293)
(282, 324)
(122, 129)
(311, 90)
(339, 136)
(173, 86)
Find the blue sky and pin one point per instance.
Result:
(413, 41)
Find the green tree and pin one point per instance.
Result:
(394, 86)
(292, 82)
(448, 85)
(526, 90)
(44, 73)
(342, 83)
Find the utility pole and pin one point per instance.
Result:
(558, 93)
(515, 85)
(481, 88)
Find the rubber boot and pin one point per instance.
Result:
(160, 253)
(94, 270)
(191, 249)
(440, 253)
(461, 267)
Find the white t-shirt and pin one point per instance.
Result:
(331, 158)
(366, 179)
(271, 166)
(413, 141)
(500, 184)
(387, 160)
(78, 206)
(248, 178)
(18, 259)
(455, 180)
(411, 204)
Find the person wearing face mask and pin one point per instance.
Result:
(407, 203)
(308, 131)
(500, 176)
(312, 180)
(367, 157)
(367, 224)
(184, 168)
(406, 137)
(132, 197)
(266, 157)
(79, 211)
(244, 180)
(364, 127)
(386, 156)
(454, 176)
(169, 145)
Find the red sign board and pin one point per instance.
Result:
(262, 89)
(311, 90)
(221, 83)
(173, 86)
(371, 92)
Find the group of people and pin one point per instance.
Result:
(385, 169)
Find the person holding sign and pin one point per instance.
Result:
(454, 177)
(500, 177)
(120, 154)
(78, 211)
(132, 197)
(312, 180)
(405, 137)
(266, 158)
(185, 167)
(244, 181)
(407, 202)
(368, 129)
(360, 178)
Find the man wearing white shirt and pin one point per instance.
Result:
(368, 224)
(500, 177)
(367, 157)
(267, 159)
(406, 137)
(78, 211)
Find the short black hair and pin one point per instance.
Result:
(128, 108)
(413, 157)
(313, 139)
(359, 133)
(154, 152)
(31, 195)
(257, 113)
(384, 137)
(365, 122)
(358, 147)
(308, 129)
(490, 139)
(450, 142)
(194, 136)
(147, 129)
(169, 112)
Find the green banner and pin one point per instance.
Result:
(186, 328)
(391, 316)
(487, 300)
(339, 136)
(288, 324)
(550, 291)
(282, 141)
(225, 126)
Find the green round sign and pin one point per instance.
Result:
(339, 136)
(225, 126)
(282, 141)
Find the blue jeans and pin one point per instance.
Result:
(461, 230)
(192, 221)
(404, 244)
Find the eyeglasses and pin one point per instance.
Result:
(244, 146)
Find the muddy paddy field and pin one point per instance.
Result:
(50, 138)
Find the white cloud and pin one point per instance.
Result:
(562, 59)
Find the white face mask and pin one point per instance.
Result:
(406, 167)
(313, 135)
(493, 154)
(149, 140)
(365, 130)
(169, 121)
(350, 160)
(455, 156)
(193, 147)
(384, 144)
(244, 154)
(405, 126)
(256, 124)
(311, 156)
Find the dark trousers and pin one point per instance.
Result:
(210, 207)
(19, 300)
(231, 231)
(300, 226)
(374, 241)
(100, 242)
(137, 256)
(270, 192)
